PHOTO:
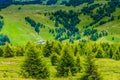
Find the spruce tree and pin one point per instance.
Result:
(8, 52)
(1, 51)
(47, 50)
(100, 52)
(33, 65)
(116, 55)
(66, 63)
(54, 59)
(91, 72)
(78, 66)
(20, 51)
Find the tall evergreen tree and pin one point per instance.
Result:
(1, 51)
(78, 66)
(91, 72)
(33, 66)
(20, 51)
(116, 55)
(8, 52)
(100, 52)
(54, 59)
(66, 63)
(47, 50)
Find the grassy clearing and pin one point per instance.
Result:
(10, 68)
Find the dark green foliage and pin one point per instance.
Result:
(76, 2)
(66, 63)
(19, 8)
(100, 53)
(35, 25)
(56, 47)
(20, 51)
(69, 19)
(1, 24)
(94, 34)
(78, 66)
(113, 38)
(91, 72)
(119, 17)
(27, 2)
(1, 17)
(4, 39)
(47, 49)
(116, 55)
(5, 3)
(54, 59)
(104, 10)
(33, 65)
(8, 52)
(102, 22)
(1, 51)
(50, 2)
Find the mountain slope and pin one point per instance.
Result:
(19, 31)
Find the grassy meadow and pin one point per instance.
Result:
(10, 69)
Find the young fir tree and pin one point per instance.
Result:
(47, 50)
(8, 52)
(91, 72)
(57, 47)
(78, 66)
(19, 51)
(116, 55)
(100, 52)
(66, 63)
(1, 51)
(76, 50)
(54, 59)
(33, 65)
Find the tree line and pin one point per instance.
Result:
(76, 2)
(1, 22)
(65, 57)
(104, 10)
(35, 25)
(68, 21)
(3, 38)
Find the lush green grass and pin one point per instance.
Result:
(10, 69)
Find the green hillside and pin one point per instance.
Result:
(19, 31)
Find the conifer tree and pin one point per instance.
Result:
(57, 47)
(1, 51)
(100, 52)
(76, 50)
(116, 55)
(8, 52)
(110, 52)
(78, 66)
(54, 59)
(91, 72)
(66, 63)
(47, 50)
(20, 51)
(33, 65)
